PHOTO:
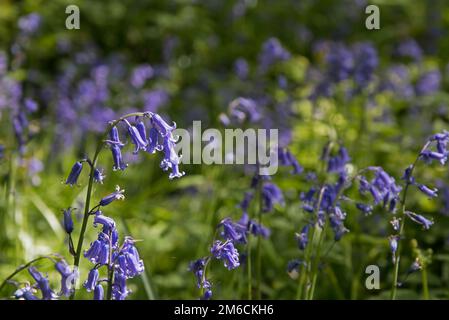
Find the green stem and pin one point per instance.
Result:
(401, 229)
(259, 243)
(90, 187)
(317, 262)
(110, 270)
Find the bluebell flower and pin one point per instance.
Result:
(25, 293)
(336, 220)
(119, 164)
(142, 130)
(409, 48)
(428, 83)
(426, 223)
(98, 176)
(393, 240)
(244, 109)
(130, 263)
(258, 230)
(431, 193)
(241, 68)
(428, 156)
(197, 267)
(74, 173)
(364, 208)
(108, 223)
(67, 277)
(114, 137)
(244, 205)
(293, 268)
(139, 142)
(117, 195)
(233, 231)
(92, 279)
(42, 283)
(98, 292)
(271, 195)
(119, 288)
(154, 145)
(302, 238)
(140, 75)
(338, 162)
(171, 159)
(226, 252)
(286, 158)
(161, 126)
(68, 221)
(395, 223)
(30, 23)
(340, 62)
(366, 61)
(98, 251)
(272, 52)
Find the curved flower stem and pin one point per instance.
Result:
(401, 229)
(317, 262)
(90, 186)
(23, 267)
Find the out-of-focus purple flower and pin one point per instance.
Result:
(241, 68)
(30, 105)
(293, 268)
(395, 223)
(140, 75)
(336, 219)
(30, 23)
(338, 162)
(340, 62)
(426, 223)
(428, 83)
(302, 238)
(155, 99)
(366, 61)
(409, 49)
(244, 109)
(226, 252)
(272, 52)
(286, 158)
(74, 173)
(271, 195)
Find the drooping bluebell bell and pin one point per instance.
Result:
(105, 221)
(336, 219)
(364, 208)
(42, 283)
(119, 164)
(139, 142)
(338, 162)
(428, 156)
(154, 144)
(431, 193)
(272, 52)
(171, 159)
(233, 231)
(74, 173)
(68, 221)
(227, 252)
(140, 75)
(98, 176)
(116, 195)
(271, 195)
(302, 238)
(98, 292)
(132, 265)
(119, 289)
(257, 229)
(244, 204)
(26, 293)
(114, 137)
(98, 251)
(428, 83)
(286, 158)
(197, 267)
(161, 126)
(293, 268)
(92, 279)
(68, 277)
(426, 223)
(393, 240)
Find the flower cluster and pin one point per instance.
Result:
(122, 262)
